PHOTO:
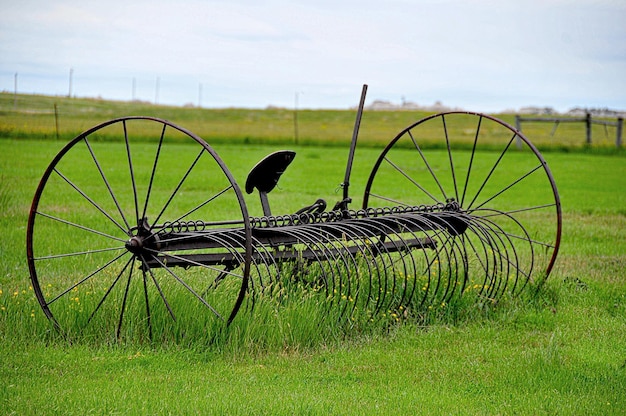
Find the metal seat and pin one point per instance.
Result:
(264, 175)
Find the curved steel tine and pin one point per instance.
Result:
(362, 252)
(448, 269)
(458, 263)
(313, 251)
(531, 247)
(490, 260)
(476, 253)
(501, 257)
(341, 247)
(378, 252)
(440, 263)
(396, 249)
(513, 262)
(449, 245)
(263, 272)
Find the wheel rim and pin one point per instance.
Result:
(97, 218)
(506, 193)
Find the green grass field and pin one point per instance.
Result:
(560, 352)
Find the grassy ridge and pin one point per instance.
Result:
(562, 352)
(34, 116)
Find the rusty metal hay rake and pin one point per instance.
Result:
(158, 229)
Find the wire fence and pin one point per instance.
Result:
(62, 118)
(588, 121)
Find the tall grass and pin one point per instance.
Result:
(285, 315)
(559, 351)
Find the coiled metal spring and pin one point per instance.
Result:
(334, 216)
(271, 221)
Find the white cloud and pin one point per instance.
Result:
(469, 53)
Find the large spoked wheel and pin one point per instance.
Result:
(500, 185)
(99, 218)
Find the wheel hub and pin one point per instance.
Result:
(135, 244)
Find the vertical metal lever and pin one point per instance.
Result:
(343, 205)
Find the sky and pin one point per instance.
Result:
(478, 55)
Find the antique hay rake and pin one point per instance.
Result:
(131, 231)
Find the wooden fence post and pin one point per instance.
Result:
(588, 124)
(518, 126)
(56, 119)
(618, 139)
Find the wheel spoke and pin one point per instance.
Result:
(86, 278)
(125, 298)
(191, 262)
(132, 172)
(504, 189)
(526, 238)
(106, 182)
(158, 287)
(224, 272)
(109, 290)
(182, 180)
(471, 161)
(220, 193)
(78, 253)
(145, 294)
(393, 201)
(445, 130)
(91, 201)
(512, 211)
(430, 169)
(413, 181)
(52, 217)
(493, 168)
(153, 172)
(186, 286)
